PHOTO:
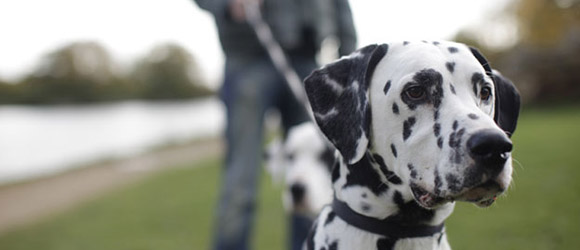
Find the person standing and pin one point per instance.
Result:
(252, 85)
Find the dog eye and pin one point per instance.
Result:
(485, 93)
(415, 93)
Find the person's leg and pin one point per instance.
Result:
(245, 104)
(299, 228)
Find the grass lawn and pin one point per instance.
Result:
(174, 209)
(171, 210)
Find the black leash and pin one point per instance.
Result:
(389, 229)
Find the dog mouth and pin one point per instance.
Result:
(482, 195)
(425, 198)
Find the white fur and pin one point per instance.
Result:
(305, 144)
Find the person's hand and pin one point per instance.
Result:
(237, 11)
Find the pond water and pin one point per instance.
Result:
(40, 140)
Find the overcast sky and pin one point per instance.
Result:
(129, 28)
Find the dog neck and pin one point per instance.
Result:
(372, 189)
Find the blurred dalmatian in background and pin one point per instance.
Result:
(304, 161)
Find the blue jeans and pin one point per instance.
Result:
(252, 86)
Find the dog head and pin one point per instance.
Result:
(306, 159)
(436, 113)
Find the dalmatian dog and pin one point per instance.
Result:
(418, 126)
(305, 160)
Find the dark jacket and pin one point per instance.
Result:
(298, 25)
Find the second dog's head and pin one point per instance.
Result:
(305, 159)
(436, 114)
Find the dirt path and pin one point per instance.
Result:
(25, 203)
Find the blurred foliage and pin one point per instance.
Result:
(544, 62)
(546, 22)
(168, 72)
(84, 72)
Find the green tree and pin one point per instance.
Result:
(10, 93)
(84, 72)
(71, 74)
(168, 72)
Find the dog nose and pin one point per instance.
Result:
(489, 147)
(297, 190)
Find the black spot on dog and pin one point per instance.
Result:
(387, 87)
(438, 182)
(367, 125)
(389, 175)
(452, 89)
(459, 136)
(424, 41)
(412, 170)
(435, 43)
(437, 129)
(437, 95)
(335, 172)
(364, 195)
(455, 138)
(398, 198)
(436, 115)
(329, 218)
(473, 116)
(450, 66)
(440, 237)
(385, 244)
(453, 183)
(452, 50)
(395, 109)
(405, 43)
(407, 127)
(365, 207)
(364, 174)
(394, 150)
(455, 125)
(475, 173)
(431, 81)
(476, 79)
(440, 142)
(327, 157)
(333, 245)
(455, 143)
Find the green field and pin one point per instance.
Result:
(174, 209)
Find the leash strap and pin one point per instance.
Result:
(266, 38)
(389, 229)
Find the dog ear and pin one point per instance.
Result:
(338, 95)
(507, 99)
(507, 103)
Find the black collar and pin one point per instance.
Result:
(389, 229)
